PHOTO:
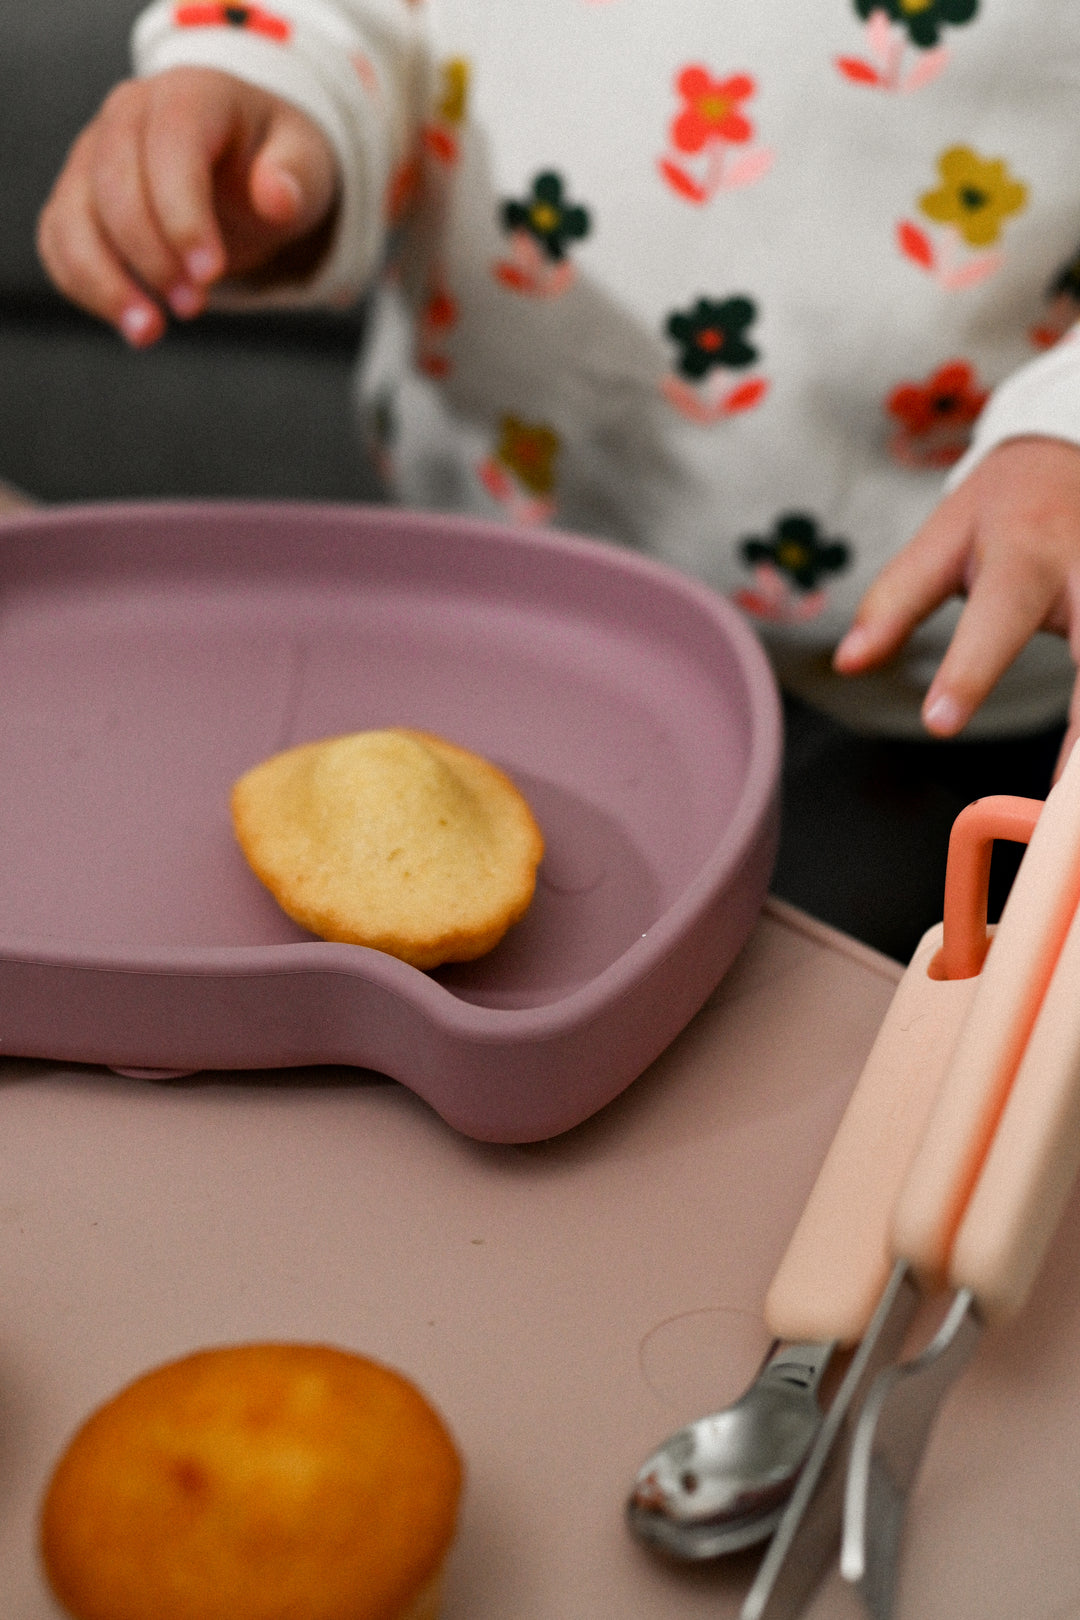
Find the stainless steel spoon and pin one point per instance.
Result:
(721, 1483)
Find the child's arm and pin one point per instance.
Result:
(258, 150)
(181, 179)
(1006, 536)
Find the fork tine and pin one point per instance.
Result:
(888, 1445)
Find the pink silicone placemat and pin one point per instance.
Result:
(567, 1304)
(149, 655)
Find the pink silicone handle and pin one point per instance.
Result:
(1009, 995)
(1034, 1158)
(836, 1265)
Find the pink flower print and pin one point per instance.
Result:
(402, 189)
(895, 26)
(711, 120)
(527, 269)
(886, 46)
(364, 68)
(970, 206)
(438, 318)
(520, 472)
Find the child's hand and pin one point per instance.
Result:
(179, 180)
(1007, 538)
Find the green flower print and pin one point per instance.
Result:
(548, 216)
(797, 550)
(1067, 279)
(923, 19)
(713, 334)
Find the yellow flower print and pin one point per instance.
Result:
(528, 449)
(455, 90)
(976, 195)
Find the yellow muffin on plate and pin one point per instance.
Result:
(394, 839)
(255, 1482)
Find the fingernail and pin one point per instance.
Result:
(185, 301)
(943, 714)
(291, 184)
(202, 263)
(136, 322)
(854, 646)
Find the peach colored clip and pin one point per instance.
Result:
(967, 878)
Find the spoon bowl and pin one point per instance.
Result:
(721, 1483)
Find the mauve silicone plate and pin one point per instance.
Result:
(149, 654)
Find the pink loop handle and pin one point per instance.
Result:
(967, 877)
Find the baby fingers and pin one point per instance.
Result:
(929, 569)
(126, 202)
(1023, 570)
(80, 255)
(1007, 538)
(1007, 603)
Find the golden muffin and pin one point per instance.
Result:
(394, 839)
(255, 1482)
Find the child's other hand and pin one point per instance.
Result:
(1007, 538)
(181, 179)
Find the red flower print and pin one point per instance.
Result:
(950, 395)
(712, 111)
(401, 190)
(935, 417)
(226, 16)
(438, 318)
(711, 120)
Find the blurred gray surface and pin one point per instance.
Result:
(221, 408)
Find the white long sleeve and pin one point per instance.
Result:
(1041, 397)
(353, 71)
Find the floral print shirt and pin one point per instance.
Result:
(739, 286)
